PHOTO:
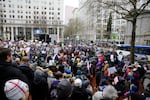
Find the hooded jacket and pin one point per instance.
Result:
(64, 90)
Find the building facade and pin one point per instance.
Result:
(27, 18)
(142, 30)
(142, 26)
(94, 19)
(68, 13)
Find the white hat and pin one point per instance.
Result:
(15, 89)
(110, 92)
(78, 82)
(97, 95)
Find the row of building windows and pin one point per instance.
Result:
(29, 1)
(35, 17)
(32, 22)
(30, 7)
(35, 12)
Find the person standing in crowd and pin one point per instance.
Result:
(79, 92)
(1, 43)
(64, 90)
(27, 71)
(8, 71)
(40, 85)
(120, 56)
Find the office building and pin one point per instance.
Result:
(29, 18)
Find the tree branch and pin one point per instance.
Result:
(143, 6)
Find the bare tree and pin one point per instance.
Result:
(129, 10)
(73, 27)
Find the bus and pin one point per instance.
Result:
(140, 51)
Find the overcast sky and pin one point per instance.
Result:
(73, 3)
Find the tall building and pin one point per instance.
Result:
(68, 13)
(94, 19)
(142, 26)
(29, 18)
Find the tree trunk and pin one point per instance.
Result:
(132, 50)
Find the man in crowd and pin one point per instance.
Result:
(8, 71)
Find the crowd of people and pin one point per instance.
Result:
(45, 71)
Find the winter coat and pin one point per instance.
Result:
(40, 86)
(79, 94)
(29, 73)
(7, 72)
(146, 80)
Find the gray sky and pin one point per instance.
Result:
(73, 3)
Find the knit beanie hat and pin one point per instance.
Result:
(97, 96)
(15, 89)
(78, 83)
(110, 93)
